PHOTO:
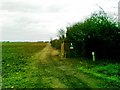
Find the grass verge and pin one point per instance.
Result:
(109, 72)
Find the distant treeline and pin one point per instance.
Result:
(98, 33)
(24, 41)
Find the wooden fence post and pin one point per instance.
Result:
(62, 49)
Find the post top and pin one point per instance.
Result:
(93, 53)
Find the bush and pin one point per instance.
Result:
(99, 33)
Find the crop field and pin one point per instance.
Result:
(15, 59)
(38, 65)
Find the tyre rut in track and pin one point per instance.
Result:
(54, 72)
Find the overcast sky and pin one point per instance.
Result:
(34, 20)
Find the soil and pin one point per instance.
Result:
(56, 72)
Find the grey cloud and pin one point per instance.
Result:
(17, 23)
(55, 8)
(21, 26)
(25, 35)
(24, 7)
(20, 7)
(32, 21)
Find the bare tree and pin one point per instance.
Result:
(61, 34)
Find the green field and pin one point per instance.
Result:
(16, 61)
(106, 71)
(37, 65)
